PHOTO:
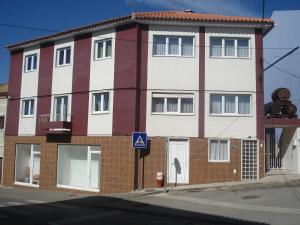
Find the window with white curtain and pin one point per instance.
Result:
(219, 150)
(172, 103)
(173, 45)
(230, 47)
(100, 102)
(221, 104)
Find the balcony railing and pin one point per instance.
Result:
(55, 123)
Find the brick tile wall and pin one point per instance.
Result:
(118, 158)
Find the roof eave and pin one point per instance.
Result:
(265, 26)
(69, 34)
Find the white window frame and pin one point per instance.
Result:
(32, 153)
(179, 44)
(236, 113)
(228, 149)
(235, 47)
(104, 41)
(165, 96)
(89, 152)
(30, 102)
(64, 49)
(26, 70)
(101, 111)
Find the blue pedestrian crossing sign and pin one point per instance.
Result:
(139, 140)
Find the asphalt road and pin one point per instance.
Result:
(251, 205)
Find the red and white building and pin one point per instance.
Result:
(192, 81)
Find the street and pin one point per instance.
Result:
(251, 205)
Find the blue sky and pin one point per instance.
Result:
(59, 15)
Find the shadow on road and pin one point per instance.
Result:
(106, 210)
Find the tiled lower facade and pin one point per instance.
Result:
(118, 164)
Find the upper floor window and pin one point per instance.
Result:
(63, 56)
(100, 102)
(230, 104)
(27, 107)
(30, 62)
(218, 150)
(173, 45)
(173, 103)
(230, 47)
(103, 49)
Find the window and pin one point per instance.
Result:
(230, 104)
(230, 47)
(27, 165)
(60, 111)
(173, 45)
(100, 102)
(30, 62)
(63, 56)
(172, 104)
(2, 121)
(103, 49)
(28, 107)
(78, 167)
(218, 150)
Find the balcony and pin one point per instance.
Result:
(55, 123)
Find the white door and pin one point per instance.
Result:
(60, 108)
(178, 161)
(94, 167)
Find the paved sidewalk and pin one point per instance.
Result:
(276, 178)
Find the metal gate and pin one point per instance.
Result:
(249, 159)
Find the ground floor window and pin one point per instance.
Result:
(78, 167)
(218, 150)
(27, 168)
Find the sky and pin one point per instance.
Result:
(58, 15)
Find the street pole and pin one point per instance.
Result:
(166, 164)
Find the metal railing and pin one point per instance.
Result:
(55, 118)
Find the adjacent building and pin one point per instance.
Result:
(284, 151)
(3, 105)
(192, 82)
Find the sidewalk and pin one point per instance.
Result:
(276, 178)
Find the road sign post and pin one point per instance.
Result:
(139, 142)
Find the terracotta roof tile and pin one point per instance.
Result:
(178, 15)
(163, 15)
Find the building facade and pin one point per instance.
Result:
(191, 81)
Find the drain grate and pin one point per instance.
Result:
(250, 197)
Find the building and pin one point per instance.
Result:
(191, 81)
(285, 153)
(3, 105)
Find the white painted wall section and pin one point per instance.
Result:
(101, 80)
(62, 75)
(230, 76)
(29, 88)
(173, 74)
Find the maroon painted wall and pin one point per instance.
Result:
(143, 76)
(259, 84)
(201, 82)
(44, 83)
(80, 84)
(126, 81)
(14, 90)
